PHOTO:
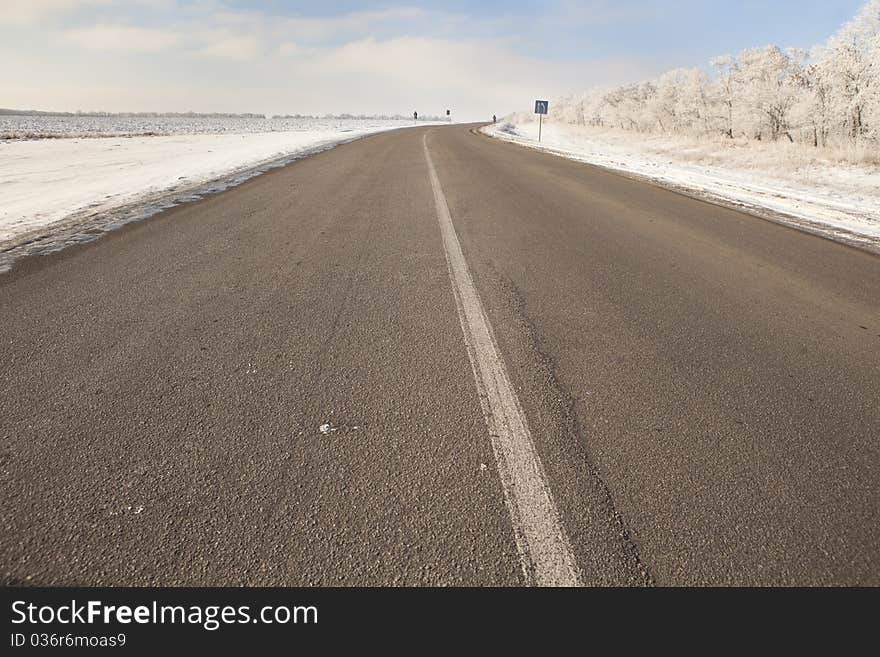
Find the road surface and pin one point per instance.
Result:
(428, 357)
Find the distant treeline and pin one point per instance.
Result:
(371, 117)
(827, 96)
(149, 115)
(212, 115)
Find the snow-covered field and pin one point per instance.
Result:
(56, 192)
(24, 126)
(781, 181)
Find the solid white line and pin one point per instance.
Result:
(544, 550)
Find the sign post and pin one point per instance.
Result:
(541, 107)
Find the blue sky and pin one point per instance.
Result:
(670, 29)
(281, 56)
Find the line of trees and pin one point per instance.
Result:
(347, 116)
(829, 95)
(137, 115)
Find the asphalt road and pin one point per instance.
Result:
(701, 387)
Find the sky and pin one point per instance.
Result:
(288, 57)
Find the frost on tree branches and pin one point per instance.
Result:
(829, 95)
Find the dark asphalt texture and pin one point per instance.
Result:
(703, 386)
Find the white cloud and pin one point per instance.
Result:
(229, 45)
(291, 49)
(218, 59)
(475, 78)
(29, 12)
(360, 22)
(477, 66)
(124, 38)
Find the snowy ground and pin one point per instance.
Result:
(780, 181)
(24, 126)
(56, 192)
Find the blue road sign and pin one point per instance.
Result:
(541, 106)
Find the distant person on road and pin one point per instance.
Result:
(494, 119)
(415, 116)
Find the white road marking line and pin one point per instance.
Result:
(544, 550)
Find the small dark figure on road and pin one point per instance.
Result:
(494, 119)
(415, 116)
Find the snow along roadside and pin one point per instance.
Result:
(845, 215)
(59, 192)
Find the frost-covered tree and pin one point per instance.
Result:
(722, 94)
(850, 67)
(694, 109)
(767, 92)
(830, 95)
(661, 104)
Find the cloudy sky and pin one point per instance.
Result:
(286, 56)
